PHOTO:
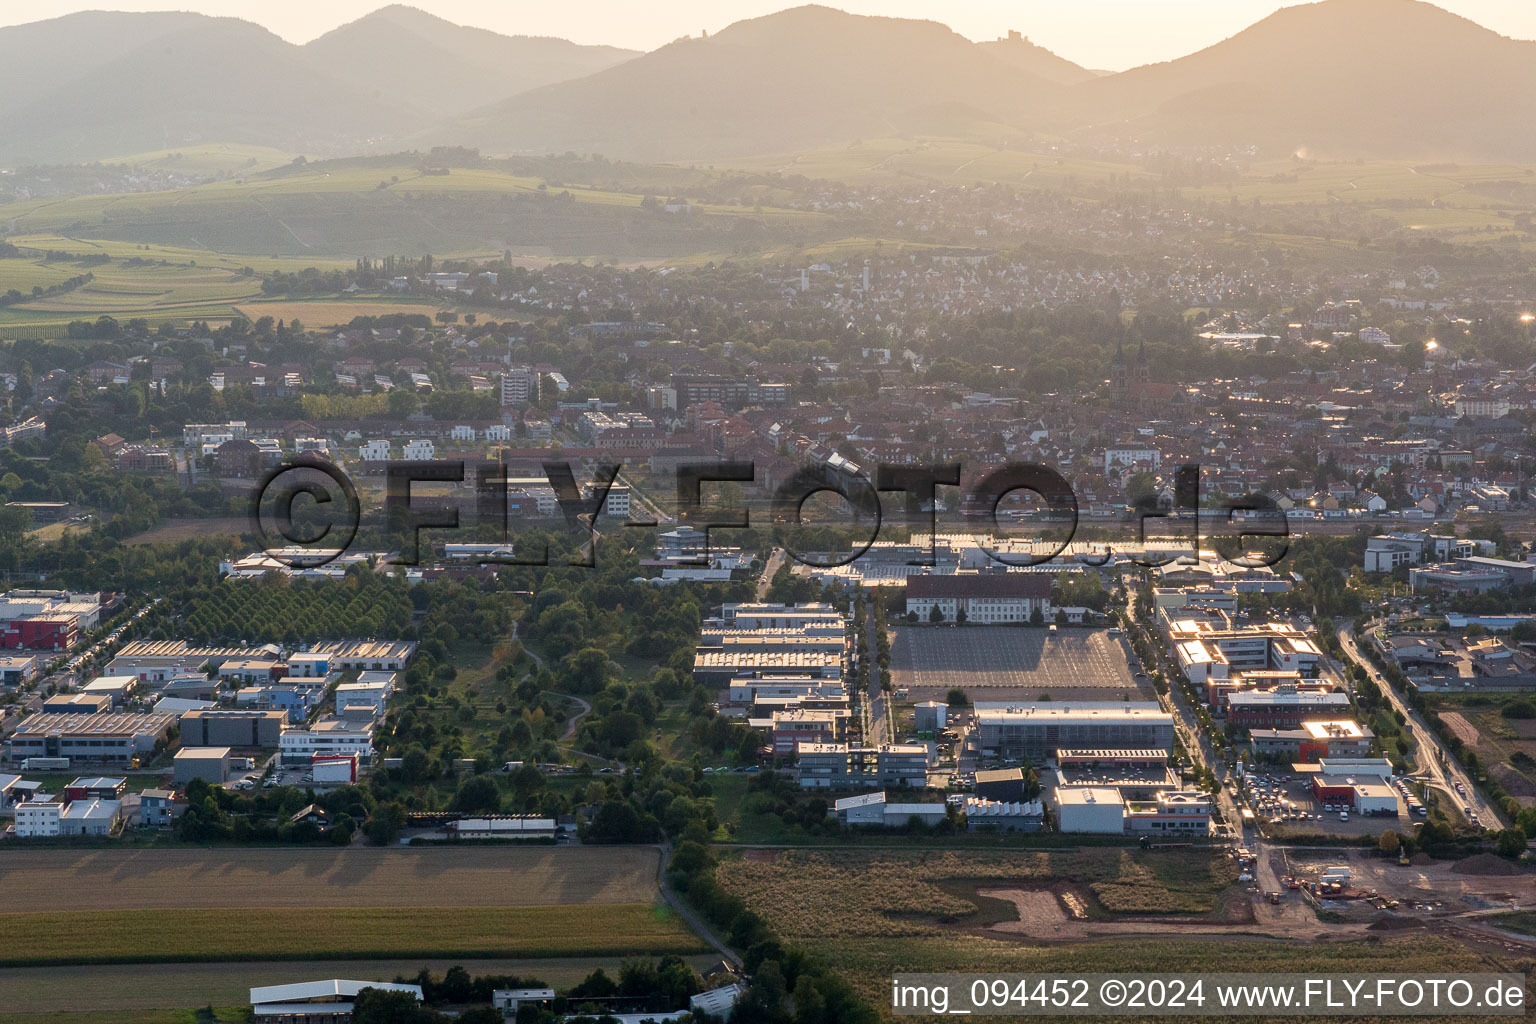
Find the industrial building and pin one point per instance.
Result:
(364, 655)
(211, 764)
(106, 738)
(872, 810)
(1093, 809)
(1003, 815)
(159, 660)
(218, 727)
(501, 826)
(1037, 731)
(1000, 784)
(315, 1002)
(930, 716)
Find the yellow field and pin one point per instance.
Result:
(328, 313)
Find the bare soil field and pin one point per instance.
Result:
(58, 880)
(322, 313)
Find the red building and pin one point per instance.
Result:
(42, 633)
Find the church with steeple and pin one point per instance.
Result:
(1129, 385)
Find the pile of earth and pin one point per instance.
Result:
(1393, 923)
(1484, 864)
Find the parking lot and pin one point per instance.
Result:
(1006, 662)
(1283, 801)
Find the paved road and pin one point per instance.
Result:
(686, 913)
(1439, 769)
(775, 560)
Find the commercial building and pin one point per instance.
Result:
(90, 817)
(315, 1002)
(840, 765)
(1284, 707)
(794, 726)
(219, 727)
(983, 598)
(509, 1000)
(1362, 794)
(763, 692)
(1182, 812)
(16, 669)
(76, 704)
(38, 818)
(211, 764)
(334, 769)
(328, 736)
(117, 688)
(1038, 731)
(364, 655)
(1313, 740)
(1117, 761)
(98, 788)
(103, 738)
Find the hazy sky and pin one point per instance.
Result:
(1111, 34)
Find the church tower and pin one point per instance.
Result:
(1119, 376)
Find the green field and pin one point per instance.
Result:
(195, 934)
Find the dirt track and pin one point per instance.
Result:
(54, 879)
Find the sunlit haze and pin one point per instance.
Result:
(1106, 34)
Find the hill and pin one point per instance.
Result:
(97, 84)
(802, 77)
(1016, 49)
(1373, 78)
(213, 79)
(406, 54)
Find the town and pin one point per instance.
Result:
(567, 520)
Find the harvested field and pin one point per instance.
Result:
(58, 880)
(181, 935)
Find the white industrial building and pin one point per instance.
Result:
(1094, 809)
(871, 809)
(315, 1002)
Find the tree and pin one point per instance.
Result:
(1037, 617)
(1512, 842)
(1389, 843)
(479, 794)
(936, 614)
(956, 697)
(378, 1006)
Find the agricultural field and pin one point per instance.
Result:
(323, 313)
(71, 992)
(1077, 911)
(340, 211)
(214, 158)
(180, 934)
(278, 877)
(155, 291)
